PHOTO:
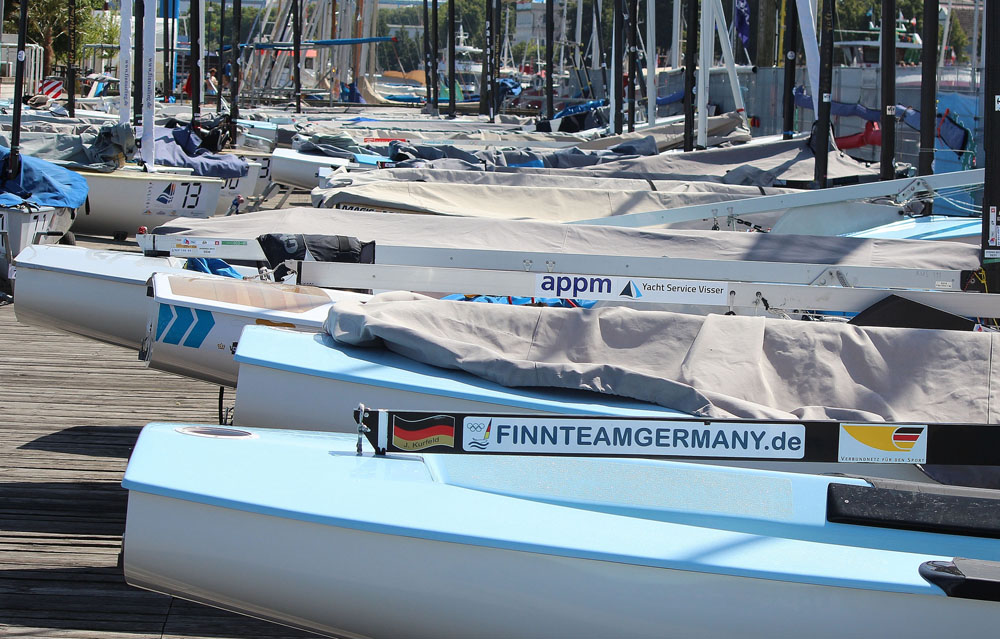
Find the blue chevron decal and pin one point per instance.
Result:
(179, 327)
(165, 317)
(201, 328)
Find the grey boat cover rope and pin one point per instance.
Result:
(716, 366)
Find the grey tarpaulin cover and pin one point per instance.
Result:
(485, 233)
(103, 150)
(779, 161)
(551, 203)
(716, 366)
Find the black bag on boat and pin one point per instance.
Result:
(279, 247)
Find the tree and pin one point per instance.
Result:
(48, 26)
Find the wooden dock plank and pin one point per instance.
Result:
(70, 411)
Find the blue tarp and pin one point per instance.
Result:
(41, 183)
(179, 147)
(581, 108)
(676, 96)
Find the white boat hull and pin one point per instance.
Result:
(244, 187)
(195, 324)
(20, 228)
(300, 170)
(399, 547)
(92, 293)
(122, 201)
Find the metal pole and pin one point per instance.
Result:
(451, 58)
(944, 35)
(125, 62)
(222, 52)
(148, 74)
(497, 45)
(617, 56)
(436, 51)
(14, 162)
(822, 140)
(485, 76)
(234, 82)
(140, 19)
(675, 41)
(197, 77)
(705, 55)
(690, 55)
(167, 84)
(991, 147)
(651, 61)
(887, 169)
(632, 7)
(791, 52)
(297, 54)
(550, 47)
(71, 61)
(928, 88)
(428, 59)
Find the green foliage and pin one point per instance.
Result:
(48, 26)
(853, 14)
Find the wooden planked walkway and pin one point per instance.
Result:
(70, 411)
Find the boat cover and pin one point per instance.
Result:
(485, 233)
(760, 164)
(550, 203)
(425, 155)
(180, 147)
(41, 183)
(103, 149)
(727, 127)
(715, 366)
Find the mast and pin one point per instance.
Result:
(791, 52)
(821, 142)
(451, 58)
(71, 61)
(887, 170)
(928, 88)
(14, 161)
(222, 53)
(234, 82)
(197, 76)
(991, 145)
(297, 54)
(125, 62)
(166, 11)
(617, 54)
(437, 51)
(550, 47)
(140, 23)
(705, 53)
(651, 60)
(148, 147)
(690, 54)
(428, 58)
(632, 8)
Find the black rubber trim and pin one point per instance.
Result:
(934, 509)
(964, 578)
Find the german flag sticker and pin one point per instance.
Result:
(883, 443)
(413, 435)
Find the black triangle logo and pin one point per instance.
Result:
(627, 291)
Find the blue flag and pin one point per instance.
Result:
(742, 21)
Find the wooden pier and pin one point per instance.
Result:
(70, 411)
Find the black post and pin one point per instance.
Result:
(485, 79)
(435, 45)
(71, 61)
(617, 56)
(928, 88)
(234, 81)
(137, 66)
(222, 53)
(297, 54)
(821, 143)
(601, 53)
(991, 147)
(887, 169)
(428, 59)
(497, 44)
(14, 162)
(197, 76)
(550, 48)
(791, 52)
(451, 58)
(690, 56)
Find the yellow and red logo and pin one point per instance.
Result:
(889, 438)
